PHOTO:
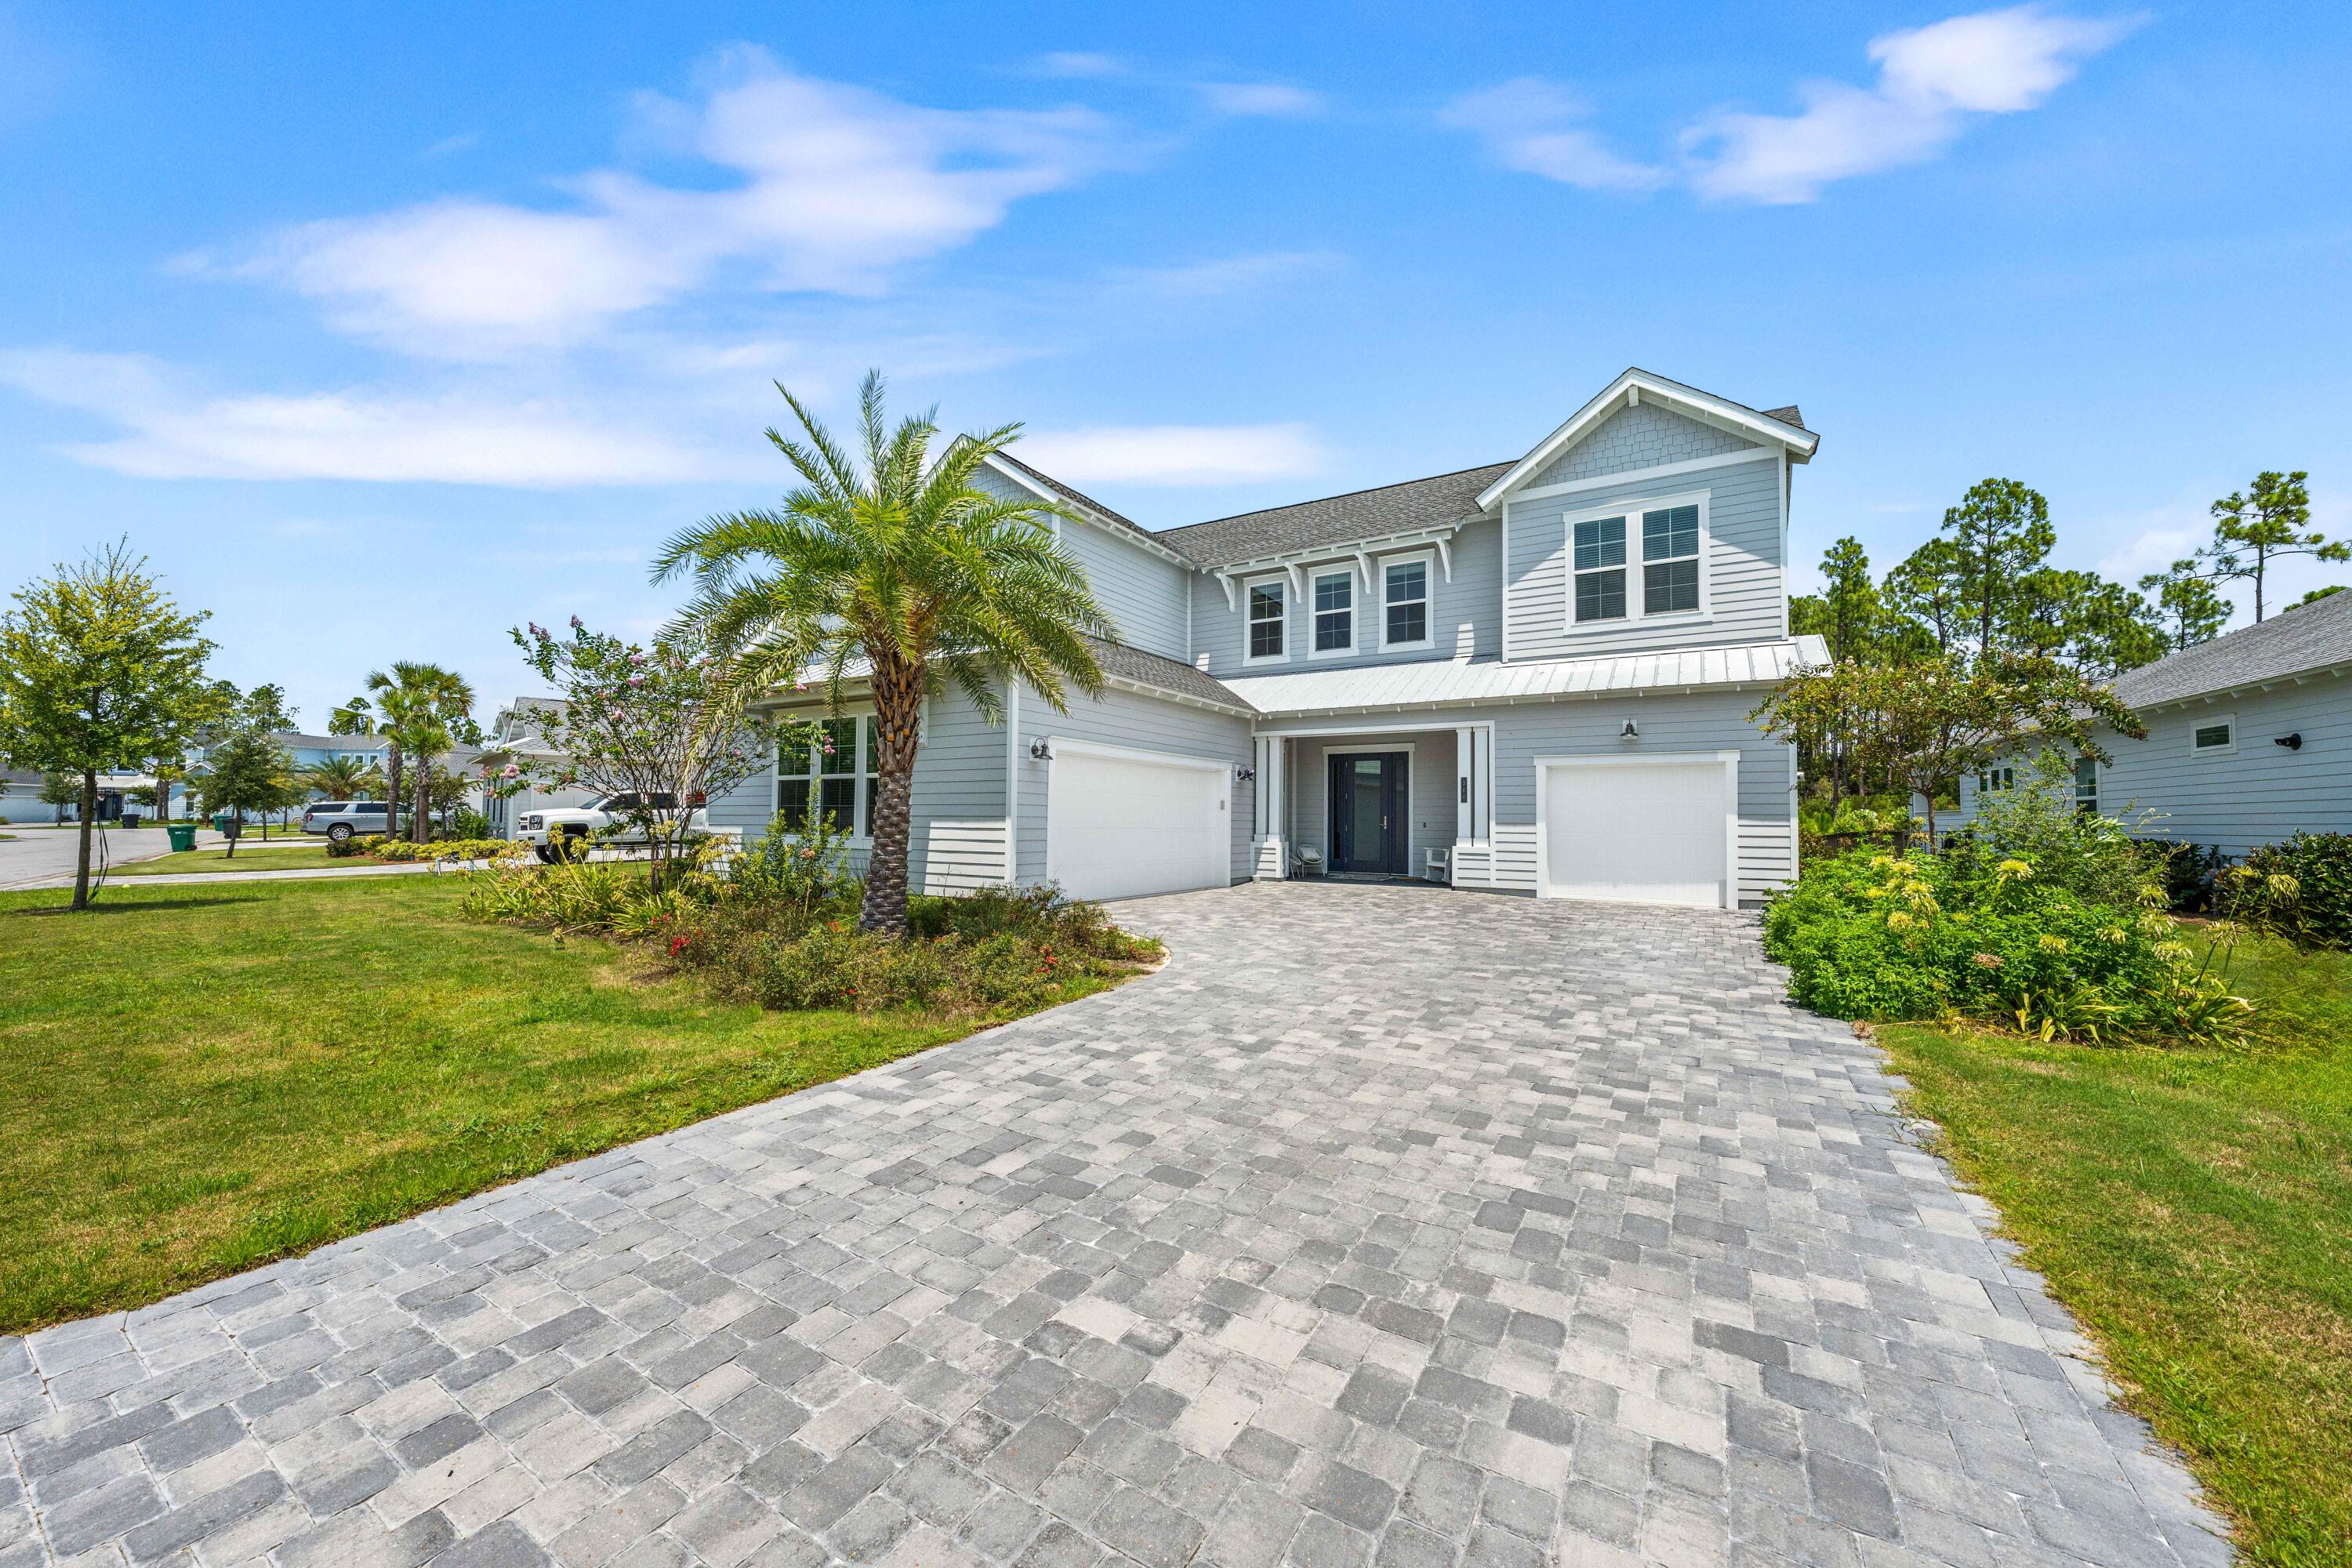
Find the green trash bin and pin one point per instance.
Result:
(220, 822)
(183, 834)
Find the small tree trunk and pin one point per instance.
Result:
(81, 858)
(420, 822)
(897, 708)
(391, 796)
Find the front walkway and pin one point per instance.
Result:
(1448, 1228)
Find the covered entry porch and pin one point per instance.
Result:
(1406, 801)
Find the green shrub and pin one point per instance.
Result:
(345, 848)
(467, 823)
(1872, 936)
(2317, 912)
(576, 896)
(399, 851)
(2186, 872)
(2098, 858)
(807, 867)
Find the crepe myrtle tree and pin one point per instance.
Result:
(640, 722)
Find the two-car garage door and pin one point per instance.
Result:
(1122, 824)
(1656, 830)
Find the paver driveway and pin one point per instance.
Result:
(1434, 1227)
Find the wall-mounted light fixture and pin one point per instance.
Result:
(1244, 776)
(1632, 731)
(2291, 742)
(1041, 750)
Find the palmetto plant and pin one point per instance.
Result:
(899, 560)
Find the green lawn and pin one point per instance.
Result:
(251, 856)
(2194, 1207)
(198, 1079)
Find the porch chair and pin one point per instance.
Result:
(1436, 863)
(1306, 860)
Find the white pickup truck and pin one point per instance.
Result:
(607, 819)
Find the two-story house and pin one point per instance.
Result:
(1534, 676)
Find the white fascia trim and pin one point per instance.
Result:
(1415, 727)
(1291, 560)
(1091, 516)
(1625, 693)
(1145, 688)
(1060, 744)
(1628, 388)
(1644, 476)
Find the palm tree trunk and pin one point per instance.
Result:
(391, 793)
(420, 822)
(897, 708)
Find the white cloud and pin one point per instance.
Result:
(832, 187)
(1228, 274)
(171, 429)
(1173, 455)
(1931, 79)
(1261, 98)
(1530, 125)
(1080, 63)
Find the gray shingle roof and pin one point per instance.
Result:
(2310, 637)
(1167, 674)
(1440, 502)
(1076, 495)
(1789, 415)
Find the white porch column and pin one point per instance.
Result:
(1271, 814)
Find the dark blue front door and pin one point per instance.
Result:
(1368, 812)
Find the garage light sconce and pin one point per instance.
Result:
(2291, 742)
(1041, 750)
(1244, 776)
(1632, 731)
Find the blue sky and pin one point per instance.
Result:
(382, 329)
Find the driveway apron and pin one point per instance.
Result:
(1384, 1226)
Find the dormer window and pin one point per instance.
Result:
(1268, 620)
(1600, 569)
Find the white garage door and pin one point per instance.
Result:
(1657, 831)
(1119, 826)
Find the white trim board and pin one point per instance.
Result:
(1644, 476)
(1627, 390)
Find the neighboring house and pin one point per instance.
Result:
(516, 737)
(2248, 736)
(20, 796)
(307, 752)
(1533, 676)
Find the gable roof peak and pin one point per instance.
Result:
(1631, 387)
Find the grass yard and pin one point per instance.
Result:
(251, 856)
(199, 1079)
(2194, 1208)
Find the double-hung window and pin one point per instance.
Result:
(835, 774)
(1334, 612)
(1600, 569)
(1269, 609)
(1670, 561)
(2086, 785)
(1405, 589)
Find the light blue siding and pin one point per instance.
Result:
(1472, 598)
(1146, 725)
(1747, 587)
(1642, 437)
(1144, 594)
(2257, 792)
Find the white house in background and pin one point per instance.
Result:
(518, 735)
(2248, 736)
(1533, 676)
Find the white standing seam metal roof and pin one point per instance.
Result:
(1443, 683)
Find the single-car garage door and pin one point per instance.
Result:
(1654, 830)
(1121, 824)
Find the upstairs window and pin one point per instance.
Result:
(1334, 612)
(1600, 569)
(1670, 561)
(1267, 620)
(1405, 589)
(2086, 785)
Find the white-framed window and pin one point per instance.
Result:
(2086, 785)
(1405, 602)
(1644, 560)
(2216, 734)
(833, 774)
(1991, 779)
(1266, 611)
(1334, 600)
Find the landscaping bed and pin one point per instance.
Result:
(201, 1078)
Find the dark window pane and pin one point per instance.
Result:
(873, 745)
(2210, 735)
(1670, 533)
(791, 757)
(838, 754)
(1601, 543)
(1409, 623)
(1408, 579)
(1601, 596)
(838, 799)
(792, 801)
(1668, 586)
(1335, 615)
(1266, 621)
(871, 785)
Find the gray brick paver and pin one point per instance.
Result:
(1385, 1226)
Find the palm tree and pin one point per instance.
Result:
(418, 704)
(905, 565)
(339, 778)
(353, 718)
